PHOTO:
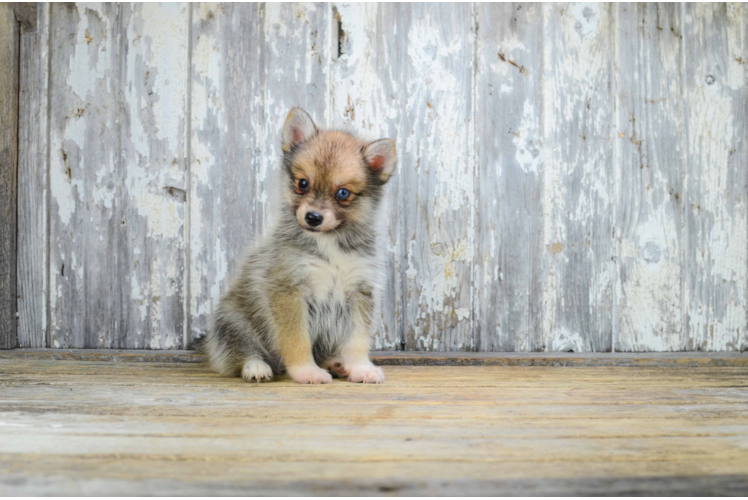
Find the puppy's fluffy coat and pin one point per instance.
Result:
(305, 297)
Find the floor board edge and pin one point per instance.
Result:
(681, 359)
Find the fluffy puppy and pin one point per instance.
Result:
(305, 297)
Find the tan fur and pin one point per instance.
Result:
(293, 338)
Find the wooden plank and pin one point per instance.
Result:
(227, 199)
(674, 485)
(9, 47)
(438, 208)
(251, 64)
(650, 158)
(601, 428)
(153, 152)
(509, 256)
(33, 175)
(26, 15)
(578, 190)
(421, 358)
(367, 102)
(716, 288)
(435, 77)
(85, 72)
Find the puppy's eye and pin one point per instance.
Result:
(303, 184)
(343, 194)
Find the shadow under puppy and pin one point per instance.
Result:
(305, 297)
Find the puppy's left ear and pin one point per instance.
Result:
(382, 158)
(298, 129)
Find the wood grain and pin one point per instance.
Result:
(509, 252)
(9, 47)
(651, 154)
(153, 146)
(84, 83)
(33, 177)
(716, 213)
(437, 170)
(578, 117)
(152, 427)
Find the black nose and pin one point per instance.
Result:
(313, 219)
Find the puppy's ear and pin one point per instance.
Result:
(382, 158)
(298, 129)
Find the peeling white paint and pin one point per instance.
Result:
(91, 59)
(528, 152)
(442, 143)
(564, 341)
(165, 33)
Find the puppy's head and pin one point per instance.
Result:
(334, 179)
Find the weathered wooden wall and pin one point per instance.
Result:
(571, 176)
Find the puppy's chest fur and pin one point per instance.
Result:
(338, 276)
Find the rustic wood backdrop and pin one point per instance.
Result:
(571, 176)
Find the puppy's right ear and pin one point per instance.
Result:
(298, 129)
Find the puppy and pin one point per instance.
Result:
(306, 296)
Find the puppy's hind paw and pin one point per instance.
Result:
(336, 368)
(366, 373)
(256, 370)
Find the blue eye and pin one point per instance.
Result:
(343, 194)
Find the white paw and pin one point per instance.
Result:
(310, 374)
(366, 373)
(257, 370)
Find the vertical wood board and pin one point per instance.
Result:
(509, 252)
(9, 46)
(651, 156)
(716, 254)
(435, 72)
(33, 172)
(227, 189)
(578, 186)
(153, 142)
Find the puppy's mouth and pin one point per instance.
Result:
(318, 230)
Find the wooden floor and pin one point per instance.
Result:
(139, 428)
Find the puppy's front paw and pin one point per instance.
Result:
(366, 373)
(256, 370)
(310, 375)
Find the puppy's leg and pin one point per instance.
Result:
(290, 317)
(354, 352)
